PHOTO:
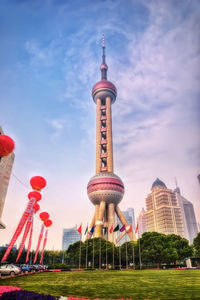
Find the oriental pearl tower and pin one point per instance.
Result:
(105, 189)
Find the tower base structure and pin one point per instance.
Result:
(105, 190)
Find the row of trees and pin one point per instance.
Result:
(153, 248)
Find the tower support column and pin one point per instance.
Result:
(111, 221)
(99, 221)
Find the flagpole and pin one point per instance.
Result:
(120, 258)
(86, 254)
(100, 253)
(140, 259)
(106, 255)
(113, 250)
(86, 258)
(80, 248)
(93, 255)
(126, 254)
(133, 253)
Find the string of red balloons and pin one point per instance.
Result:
(37, 183)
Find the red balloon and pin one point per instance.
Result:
(44, 215)
(36, 207)
(38, 183)
(35, 195)
(7, 145)
(48, 222)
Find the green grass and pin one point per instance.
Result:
(145, 284)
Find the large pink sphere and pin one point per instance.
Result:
(106, 187)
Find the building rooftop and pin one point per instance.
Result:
(158, 183)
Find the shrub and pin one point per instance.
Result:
(58, 266)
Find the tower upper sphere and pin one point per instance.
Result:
(104, 88)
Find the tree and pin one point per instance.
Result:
(184, 250)
(196, 244)
(160, 248)
(153, 245)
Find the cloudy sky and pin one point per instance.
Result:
(50, 56)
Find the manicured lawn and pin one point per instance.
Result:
(145, 284)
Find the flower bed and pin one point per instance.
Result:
(7, 289)
(14, 293)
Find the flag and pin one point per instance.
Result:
(111, 229)
(44, 244)
(26, 231)
(123, 228)
(19, 227)
(92, 230)
(86, 230)
(39, 241)
(29, 242)
(105, 230)
(116, 228)
(130, 229)
(79, 229)
(136, 229)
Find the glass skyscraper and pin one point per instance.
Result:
(70, 236)
(189, 218)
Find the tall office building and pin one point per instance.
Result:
(130, 217)
(189, 218)
(6, 164)
(141, 221)
(163, 213)
(70, 236)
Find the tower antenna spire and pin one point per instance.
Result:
(104, 66)
(103, 40)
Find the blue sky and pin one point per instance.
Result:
(50, 56)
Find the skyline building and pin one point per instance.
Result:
(105, 189)
(198, 177)
(131, 212)
(141, 221)
(189, 218)
(6, 164)
(70, 236)
(163, 212)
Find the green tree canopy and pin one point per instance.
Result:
(160, 248)
(196, 244)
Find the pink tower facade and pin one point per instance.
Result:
(105, 189)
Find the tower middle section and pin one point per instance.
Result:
(104, 145)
